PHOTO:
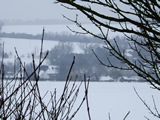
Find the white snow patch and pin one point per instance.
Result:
(129, 50)
(128, 54)
(105, 78)
(136, 78)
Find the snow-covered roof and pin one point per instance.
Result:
(105, 78)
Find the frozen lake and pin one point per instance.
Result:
(114, 98)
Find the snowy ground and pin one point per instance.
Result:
(114, 98)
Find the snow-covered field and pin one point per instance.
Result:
(114, 98)
(26, 47)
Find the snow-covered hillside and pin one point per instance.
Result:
(26, 48)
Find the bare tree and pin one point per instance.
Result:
(138, 21)
(21, 99)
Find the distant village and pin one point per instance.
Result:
(61, 55)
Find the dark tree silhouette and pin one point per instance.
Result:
(138, 21)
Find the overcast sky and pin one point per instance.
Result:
(38, 9)
(31, 9)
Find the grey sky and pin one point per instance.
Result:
(38, 9)
(31, 9)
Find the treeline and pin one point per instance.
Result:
(51, 36)
(87, 63)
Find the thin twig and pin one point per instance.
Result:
(126, 115)
(86, 85)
